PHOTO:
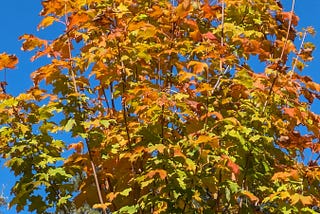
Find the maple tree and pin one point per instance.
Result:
(156, 107)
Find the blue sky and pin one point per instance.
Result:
(21, 16)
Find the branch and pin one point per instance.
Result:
(98, 188)
(281, 56)
(222, 35)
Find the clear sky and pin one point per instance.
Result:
(21, 16)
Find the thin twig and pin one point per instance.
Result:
(299, 52)
(69, 49)
(219, 79)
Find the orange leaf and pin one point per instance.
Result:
(31, 42)
(305, 200)
(162, 173)
(76, 146)
(183, 8)
(210, 11)
(77, 20)
(8, 61)
(313, 86)
(251, 196)
(156, 11)
(288, 16)
(196, 35)
(198, 67)
(294, 174)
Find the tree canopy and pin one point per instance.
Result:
(157, 106)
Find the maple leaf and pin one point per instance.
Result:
(183, 8)
(31, 42)
(251, 196)
(137, 81)
(8, 61)
(305, 200)
(47, 21)
(77, 20)
(232, 165)
(78, 147)
(162, 173)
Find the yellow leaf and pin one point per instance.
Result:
(284, 195)
(121, 9)
(47, 21)
(185, 76)
(213, 141)
(112, 195)
(196, 196)
(305, 200)
(101, 206)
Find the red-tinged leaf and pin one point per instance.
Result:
(286, 16)
(232, 165)
(196, 106)
(209, 36)
(210, 12)
(8, 61)
(290, 111)
(177, 153)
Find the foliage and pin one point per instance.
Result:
(156, 107)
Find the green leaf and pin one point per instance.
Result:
(128, 209)
(126, 192)
(69, 125)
